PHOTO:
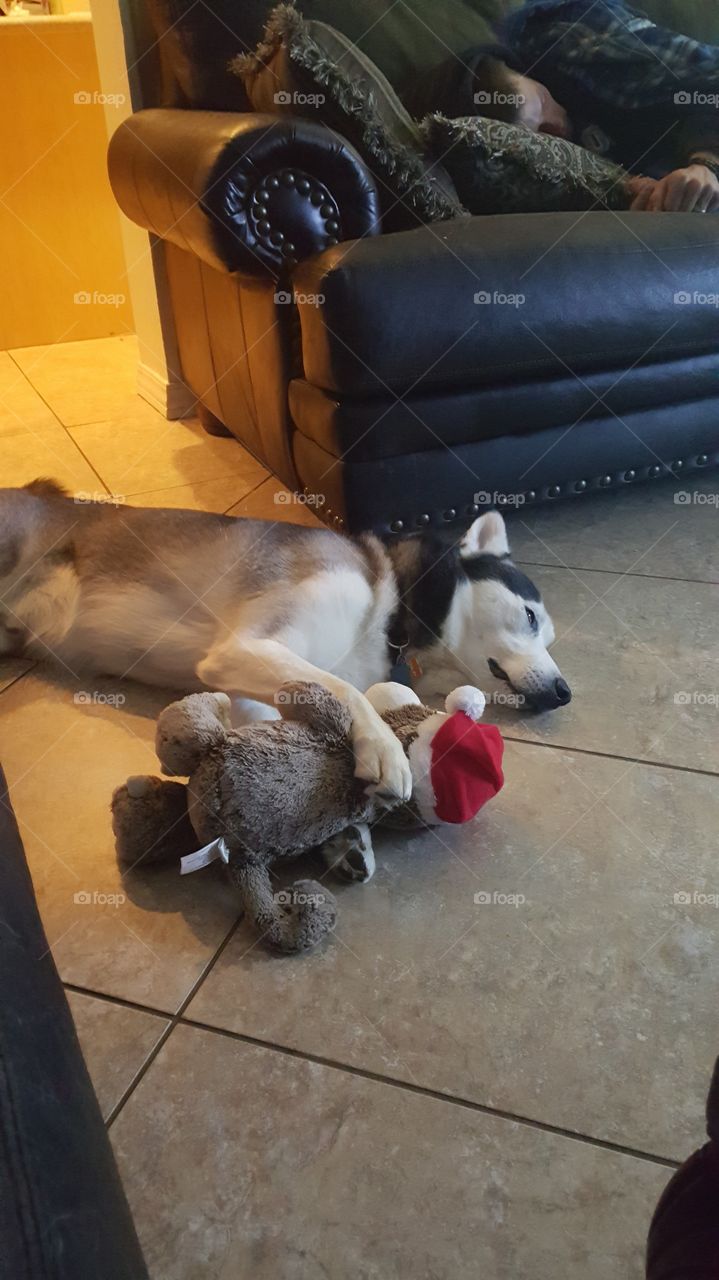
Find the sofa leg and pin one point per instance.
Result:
(213, 426)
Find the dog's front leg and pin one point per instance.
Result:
(255, 668)
(351, 853)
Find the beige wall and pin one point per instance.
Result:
(60, 241)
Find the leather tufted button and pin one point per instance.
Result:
(332, 227)
(678, 465)
(264, 227)
(553, 491)
(288, 249)
(422, 520)
(605, 481)
(317, 198)
(288, 178)
(472, 509)
(273, 183)
(303, 186)
(630, 475)
(397, 526)
(702, 460)
(580, 486)
(656, 470)
(260, 210)
(277, 238)
(450, 514)
(531, 495)
(326, 210)
(332, 240)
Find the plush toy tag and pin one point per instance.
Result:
(203, 857)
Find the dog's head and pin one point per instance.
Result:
(504, 624)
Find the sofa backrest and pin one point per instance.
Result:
(404, 39)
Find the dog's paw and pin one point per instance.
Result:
(381, 762)
(350, 853)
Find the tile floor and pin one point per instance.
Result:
(446, 1089)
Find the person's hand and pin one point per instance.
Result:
(694, 189)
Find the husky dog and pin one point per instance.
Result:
(188, 600)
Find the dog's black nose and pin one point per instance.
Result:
(563, 692)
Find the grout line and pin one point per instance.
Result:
(119, 1000)
(175, 1018)
(436, 1094)
(624, 573)
(610, 755)
(10, 683)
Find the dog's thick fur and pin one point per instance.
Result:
(188, 599)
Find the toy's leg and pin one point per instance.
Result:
(151, 822)
(350, 853)
(256, 668)
(292, 919)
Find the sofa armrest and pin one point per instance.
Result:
(249, 193)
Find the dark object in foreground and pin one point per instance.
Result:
(63, 1212)
(684, 1236)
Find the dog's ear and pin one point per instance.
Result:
(487, 536)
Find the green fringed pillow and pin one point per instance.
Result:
(307, 68)
(506, 168)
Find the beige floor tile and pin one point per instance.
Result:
(669, 528)
(143, 452)
(25, 455)
(115, 1042)
(85, 381)
(583, 994)
(21, 408)
(207, 495)
(640, 656)
(272, 501)
(145, 936)
(239, 1161)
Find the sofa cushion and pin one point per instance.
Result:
(309, 69)
(510, 297)
(507, 168)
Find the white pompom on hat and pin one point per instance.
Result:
(467, 699)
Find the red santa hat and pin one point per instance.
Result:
(456, 763)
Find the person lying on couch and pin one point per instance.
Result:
(606, 78)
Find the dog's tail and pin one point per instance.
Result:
(291, 919)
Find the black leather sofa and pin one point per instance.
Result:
(63, 1213)
(406, 398)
